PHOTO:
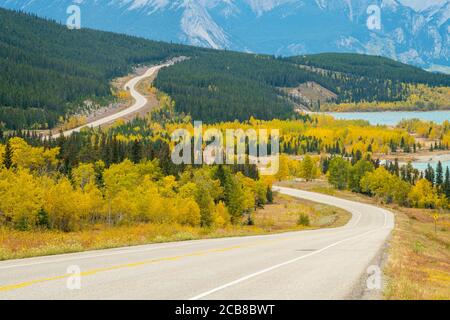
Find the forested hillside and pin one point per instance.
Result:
(48, 70)
(222, 85)
(372, 67)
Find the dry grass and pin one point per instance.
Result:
(418, 261)
(278, 217)
(284, 214)
(419, 258)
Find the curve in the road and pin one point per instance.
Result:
(314, 264)
(139, 102)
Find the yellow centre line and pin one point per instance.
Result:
(136, 264)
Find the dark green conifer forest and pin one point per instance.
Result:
(48, 70)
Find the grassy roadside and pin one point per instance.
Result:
(283, 215)
(418, 260)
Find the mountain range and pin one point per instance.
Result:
(411, 31)
(50, 71)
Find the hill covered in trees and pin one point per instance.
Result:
(48, 70)
(373, 67)
(221, 86)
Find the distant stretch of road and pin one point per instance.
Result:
(140, 102)
(314, 264)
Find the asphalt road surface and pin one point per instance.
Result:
(315, 264)
(139, 102)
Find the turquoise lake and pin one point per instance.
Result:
(423, 165)
(391, 118)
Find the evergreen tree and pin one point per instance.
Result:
(206, 205)
(396, 169)
(429, 174)
(233, 195)
(357, 172)
(439, 175)
(136, 151)
(43, 219)
(377, 163)
(235, 200)
(447, 183)
(338, 172)
(222, 176)
(269, 195)
(7, 157)
(99, 167)
(325, 163)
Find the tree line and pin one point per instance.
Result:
(48, 70)
(36, 191)
(391, 183)
(372, 66)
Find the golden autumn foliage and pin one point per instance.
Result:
(83, 175)
(428, 129)
(425, 195)
(283, 168)
(33, 195)
(221, 216)
(281, 216)
(165, 101)
(421, 97)
(123, 94)
(306, 168)
(21, 198)
(72, 122)
(59, 202)
(36, 159)
(385, 186)
(327, 132)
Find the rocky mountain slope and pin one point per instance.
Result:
(411, 31)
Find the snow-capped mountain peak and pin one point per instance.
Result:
(262, 6)
(199, 28)
(413, 31)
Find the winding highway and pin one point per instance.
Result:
(139, 101)
(314, 264)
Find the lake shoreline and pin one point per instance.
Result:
(433, 158)
(390, 118)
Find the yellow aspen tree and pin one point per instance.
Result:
(83, 175)
(221, 216)
(20, 199)
(188, 212)
(60, 204)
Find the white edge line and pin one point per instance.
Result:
(356, 214)
(89, 256)
(142, 248)
(200, 296)
(168, 246)
(126, 250)
(131, 84)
